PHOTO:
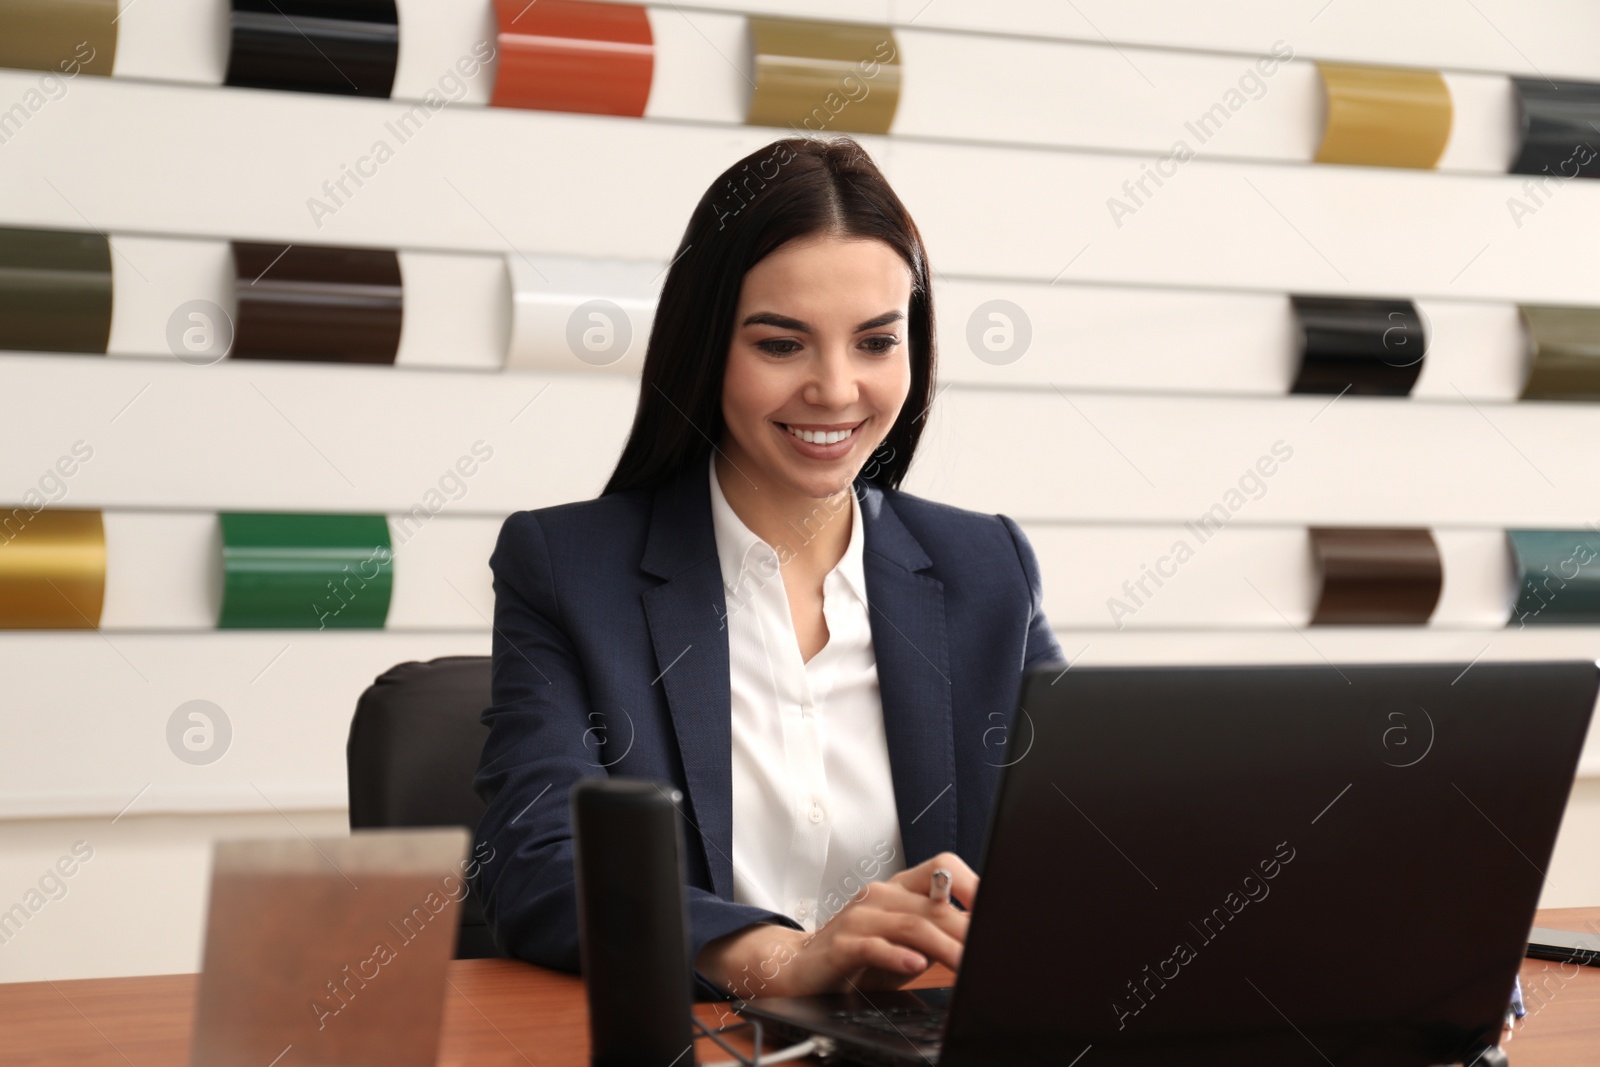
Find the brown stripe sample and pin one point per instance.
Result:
(1565, 346)
(1384, 116)
(52, 569)
(823, 76)
(1376, 576)
(67, 36)
(55, 291)
(316, 303)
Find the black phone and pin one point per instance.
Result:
(1564, 946)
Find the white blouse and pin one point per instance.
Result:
(814, 816)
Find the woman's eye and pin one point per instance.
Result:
(780, 346)
(881, 343)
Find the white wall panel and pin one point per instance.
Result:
(1475, 352)
(457, 311)
(163, 570)
(702, 65)
(173, 40)
(475, 179)
(88, 714)
(549, 332)
(1485, 132)
(435, 37)
(441, 572)
(152, 278)
(1480, 581)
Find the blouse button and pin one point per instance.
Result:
(816, 811)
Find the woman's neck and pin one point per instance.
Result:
(812, 531)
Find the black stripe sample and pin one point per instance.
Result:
(1368, 347)
(345, 47)
(1557, 119)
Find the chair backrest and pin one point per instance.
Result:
(413, 751)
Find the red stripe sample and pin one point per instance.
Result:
(573, 55)
(316, 303)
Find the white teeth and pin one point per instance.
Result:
(823, 438)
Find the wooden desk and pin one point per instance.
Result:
(503, 1012)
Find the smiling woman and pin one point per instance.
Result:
(836, 713)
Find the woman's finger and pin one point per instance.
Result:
(963, 880)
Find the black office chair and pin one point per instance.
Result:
(413, 751)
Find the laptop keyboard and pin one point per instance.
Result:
(922, 1025)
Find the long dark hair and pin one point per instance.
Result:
(790, 189)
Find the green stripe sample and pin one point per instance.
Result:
(1559, 575)
(55, 291)
(1566, 353)
(65, 36)
(305, 572)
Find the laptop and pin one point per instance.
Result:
(1276, 865)
(330, 950)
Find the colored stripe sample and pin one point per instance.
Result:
(1368, 347)
(1559, 572)
(573, 55)
(1380, 577)
(1384, 116)
(1565, 343)
(55, 291)
(317, 304)
(833, 76)
(345, 47)
(70, 36)
(52, 569)
(1557, 127)
(305, 571)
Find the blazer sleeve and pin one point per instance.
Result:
(1042, 646)
(534, 754)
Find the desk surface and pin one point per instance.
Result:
(504, 1012)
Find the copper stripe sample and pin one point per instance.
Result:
(283, 571)
(1384, 116)
(1565, 344)
(1373, 576)
(823, 76)
(52, 569)
(1557, 121)
(315, 303)
(67, 36)
(345, 47)
(1559, 575)
(55, 291)
(1368, 347)
(573, 55)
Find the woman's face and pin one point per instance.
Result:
(819, 346)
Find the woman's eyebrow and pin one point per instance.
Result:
(784, 322)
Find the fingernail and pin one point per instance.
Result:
(914, 962)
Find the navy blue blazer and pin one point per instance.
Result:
(611, 656)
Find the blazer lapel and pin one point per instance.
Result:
(685, 615)
(910, 644)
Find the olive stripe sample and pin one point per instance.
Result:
(290, 571)
(316, 303)
(1378, 577)
(344, 47)
(52, 569)
(67, 36)
(1565, 350)
(55, 291)
(1384, 116)
(1557, 125)
(1366, 347)
(823, 76)
(1559, 577)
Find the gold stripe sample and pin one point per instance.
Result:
(1565, 343)
(1384, 116)
(62, 36)
(823, 76)
(52, 569)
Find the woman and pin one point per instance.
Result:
(823, 665)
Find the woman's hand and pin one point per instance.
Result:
(886, 935)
